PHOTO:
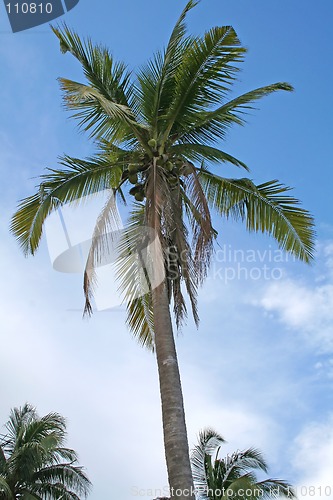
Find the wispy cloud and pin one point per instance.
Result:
(304, 306)
(313, 460)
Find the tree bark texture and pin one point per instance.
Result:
(173, 415)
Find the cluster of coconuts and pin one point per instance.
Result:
(173, 170)
(138, 189)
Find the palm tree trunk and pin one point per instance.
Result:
(173, 415)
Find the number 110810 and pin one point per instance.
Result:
(29, 8)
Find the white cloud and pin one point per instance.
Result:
(313, 460)
(307, 308)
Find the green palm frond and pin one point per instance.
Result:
(5, 491)
(2, 460)
(204, 77)
(97, 113)
(275, 488)
(77, 180)
(134, 276)
(41, 491)
(265, 208)
(208, 440)
(157, 77)
(110, 78)
(201, 153)
(241, 464)
(140, 320)
(27, 223)
(220, 478)
(37, 466)
(106, 102)
(66, 474)
(107, 226)
(212, 125)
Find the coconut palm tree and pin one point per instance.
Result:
(234, 476)
(158, 133)
(33, 461)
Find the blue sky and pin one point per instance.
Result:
(260, 368)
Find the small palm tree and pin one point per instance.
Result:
(156, 136)
(234, 476)
(33, 461)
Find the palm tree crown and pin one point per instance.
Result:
(34, 464)
(156, 133)
(233, 476)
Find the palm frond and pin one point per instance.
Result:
(134, 269)
(5, 491)
(212, 125)
(242, 464)
(265, 208)
(70, 476)
(109, 94)
(34, 458)
(97, 113)
(231, 476)
(72, 184)
(140, 320)
(157, 77)
(205, 75)
(104, 74)
(208, 440)
(276, 488)
(201, 152)
(203, 232)
(107, 226)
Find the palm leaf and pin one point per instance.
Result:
(65, 474)
(109, 94)
(217, 479)
(201, 152)
(108, 224)
(5, 491)
(265, 208)
(157, 77)
(134, 276)
(204, 76)
(98, 113)
(213, 125)
(72, 184)
(275, 488)
(34, 467)
(209, 440)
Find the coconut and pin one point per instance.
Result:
(132, 168)
(133, 178)
(139, 196)
(152, 143)
(135, 189)
(169, 166)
